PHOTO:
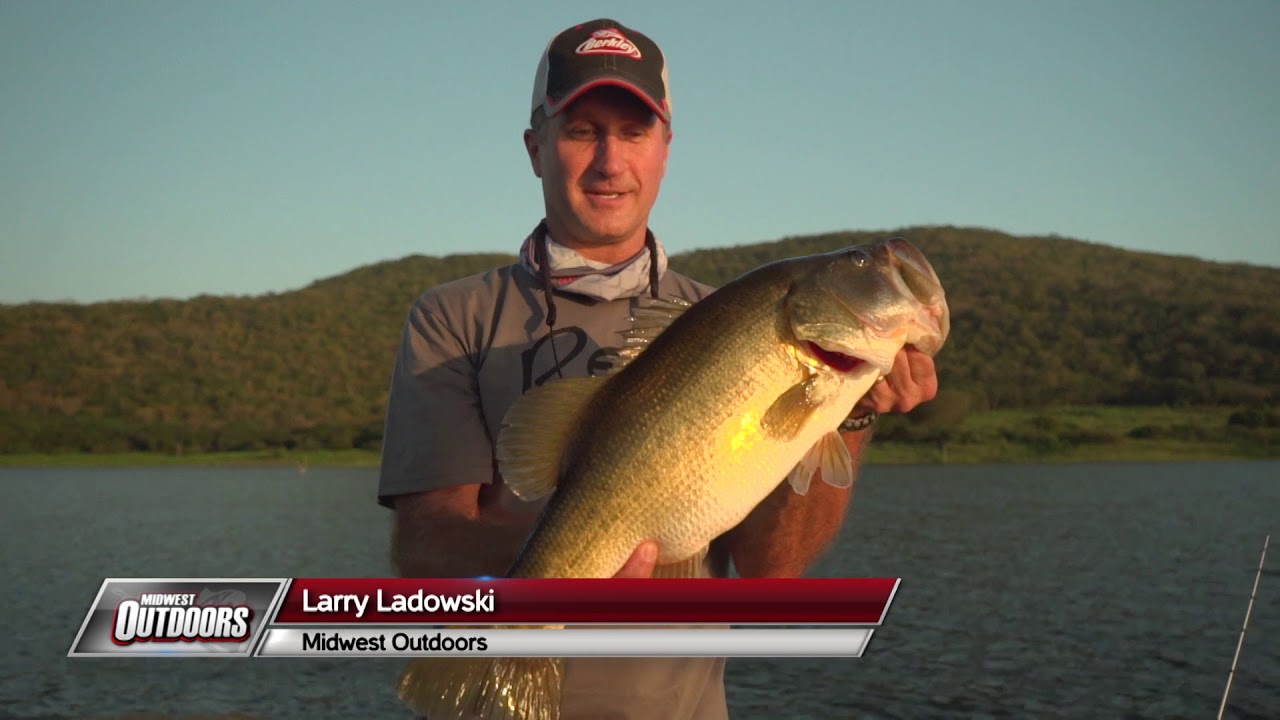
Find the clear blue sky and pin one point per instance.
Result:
(169, 149)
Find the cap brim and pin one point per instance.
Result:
(616, 82)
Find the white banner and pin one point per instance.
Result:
(402, 641)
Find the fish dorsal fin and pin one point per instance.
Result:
(831, 456)
(690, 567)
(648, 320)
(535, 431)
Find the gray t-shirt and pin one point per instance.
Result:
(470, 348)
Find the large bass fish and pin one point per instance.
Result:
(708, 408)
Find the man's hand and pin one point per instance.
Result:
(641, 562)
(912, 381)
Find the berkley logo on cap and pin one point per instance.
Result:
(608, 42)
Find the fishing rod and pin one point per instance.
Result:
(1247, 613)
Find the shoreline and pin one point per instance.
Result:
(1065, 434)
(880, 453)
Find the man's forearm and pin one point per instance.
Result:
(787, 532)
(454, 546)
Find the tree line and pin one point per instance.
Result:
(1036, 322)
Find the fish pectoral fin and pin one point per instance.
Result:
(831, 456)
(690, 567)
(535, 431)
(788, 414)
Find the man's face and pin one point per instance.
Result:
(601, 161)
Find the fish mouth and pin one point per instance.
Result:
(834, 359)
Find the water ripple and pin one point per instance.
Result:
(1091, 591)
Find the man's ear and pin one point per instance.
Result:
(666, 153)
(531, 147)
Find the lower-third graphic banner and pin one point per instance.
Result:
(401, 641)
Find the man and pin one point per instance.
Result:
(599, 136)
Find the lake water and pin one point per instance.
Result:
(1054, 591)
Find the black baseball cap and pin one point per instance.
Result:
(601, 52)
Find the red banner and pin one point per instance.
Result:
(703, 601)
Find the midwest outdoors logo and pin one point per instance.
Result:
(169, 617)
(608, 42)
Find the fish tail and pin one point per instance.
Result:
(479, 688)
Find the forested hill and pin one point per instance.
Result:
(1035, 321)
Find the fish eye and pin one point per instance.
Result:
(860, 256)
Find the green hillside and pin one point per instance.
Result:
(1037, 322)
